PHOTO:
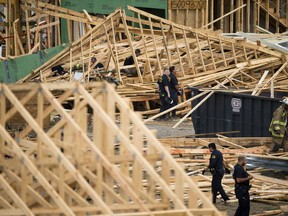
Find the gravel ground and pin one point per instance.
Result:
(165, 130)
(255, 208)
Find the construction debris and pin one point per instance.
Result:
(61, 150)
(194, 155)
(204, 59)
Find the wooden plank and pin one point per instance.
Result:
(260, 82)
(166, 41)
(12, 212)
(178, 52)
(31, 191)
(200, 52)
(269, 179)
(155, 47)
(211, 52)
(222, 51)
(8, 27)
(191, 64)
(248, 16)
(132, 50)
(3, 124)
(267, 16)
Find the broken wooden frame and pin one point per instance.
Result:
(204, 58)
(73, 167)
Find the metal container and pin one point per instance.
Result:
(225, 112)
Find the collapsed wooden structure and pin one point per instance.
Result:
(204, 58)
(72, 167)
(40, 31)
(162, 44)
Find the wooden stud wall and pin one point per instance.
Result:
(195, 13)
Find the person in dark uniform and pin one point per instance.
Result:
(174, 89)
(58, 70)
(98, 65)
(130, 61)
(217, 169)
(242, 186)
(164, 93)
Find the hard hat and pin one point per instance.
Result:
(285, 101)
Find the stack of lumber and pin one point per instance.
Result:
(194, 156)
(80, 165)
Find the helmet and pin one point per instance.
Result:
(285, 101)
(168, 100)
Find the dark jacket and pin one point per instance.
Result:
(216, 162)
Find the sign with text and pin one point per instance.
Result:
(187, 4)
(236, 104)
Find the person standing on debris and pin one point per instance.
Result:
(164, 93)
(130, 61)
(58, 70)
(99, 65)
(242, 187)
(174, 89)
(278, 127)
(217, 170)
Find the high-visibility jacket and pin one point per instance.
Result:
(279, 122)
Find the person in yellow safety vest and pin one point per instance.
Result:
(278, 127)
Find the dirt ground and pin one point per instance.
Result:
(165, 130)
(256, 208)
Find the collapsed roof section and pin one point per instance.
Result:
(162, 43)
(86, 165)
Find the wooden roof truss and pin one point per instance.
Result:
(86, 163)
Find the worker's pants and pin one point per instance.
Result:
(243, 202)
(217, 186)
(277, 142)
(174, 97)
(164, 107)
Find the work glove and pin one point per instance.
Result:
(227, 170)
(203, 171)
